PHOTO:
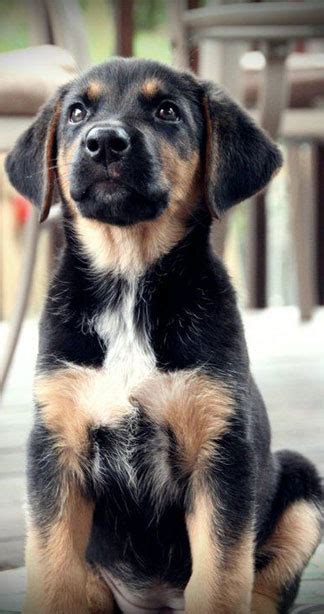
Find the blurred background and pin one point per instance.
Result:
(270, 56)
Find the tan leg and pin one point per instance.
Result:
(70, 401)
(288, 549)
(55, 558)
(222, 578)
(59, 532)
(198, 409)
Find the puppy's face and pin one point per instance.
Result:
(132, 139)
(129, 141)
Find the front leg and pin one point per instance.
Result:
(222, 574)
(55, 557)
(212, 456)
(60, 495)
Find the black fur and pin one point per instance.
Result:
(185, 304)
(288, 595)
(244, 157)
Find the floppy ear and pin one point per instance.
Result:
(30, 164)
(240, 157)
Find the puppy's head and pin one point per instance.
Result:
(132, 138)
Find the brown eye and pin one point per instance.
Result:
(168, 111)
(77, 113)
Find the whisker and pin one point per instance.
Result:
(50, 168)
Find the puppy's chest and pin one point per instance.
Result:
(129, 358)
(129, 443)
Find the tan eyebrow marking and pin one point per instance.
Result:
(151, 87)
(94, 90)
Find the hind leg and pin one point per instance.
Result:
(294, 522)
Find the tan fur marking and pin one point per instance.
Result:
(99, 595)
(81, 390)
(292, 543)
(56, 560)
(238, 576)
(72, 400)
(220, 581)
(131, 250)
(64, 162)
(182, 176)
(49, 172)
(206, 558)
(88, 392)
(211, 157)
(151, 87)
(261, 604)
(195, 407)
(94, 90)
(64, 417)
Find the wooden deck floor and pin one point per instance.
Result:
(288, 363)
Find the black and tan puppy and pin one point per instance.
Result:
(151, 483)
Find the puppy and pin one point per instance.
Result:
(151, 483)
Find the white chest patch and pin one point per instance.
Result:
(130, 358)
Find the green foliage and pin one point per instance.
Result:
(13, 25)
(99, 25)
(149, 14)
(151, 39)
(153, 45)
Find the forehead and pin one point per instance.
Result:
(134, 80)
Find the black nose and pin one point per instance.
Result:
(107, 142)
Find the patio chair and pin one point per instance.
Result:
(27, 79)
(274, 26)
(302, 122)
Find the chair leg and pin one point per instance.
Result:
(257, 265)
(24, 288)
(179, 43)
(273, 101)
(301, 164)
(320, 220)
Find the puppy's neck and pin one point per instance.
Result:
(130, 251)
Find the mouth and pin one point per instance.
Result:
(108, 189)
(111, 200)
(101, 187)
(103, 200)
